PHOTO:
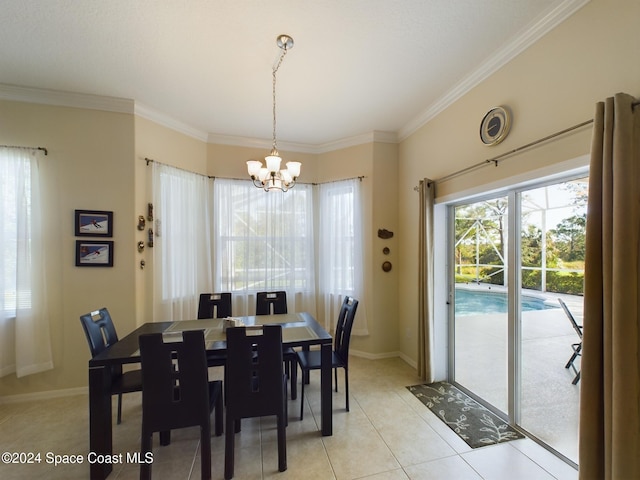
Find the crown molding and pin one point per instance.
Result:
(262, 143)
(521, 42)
(171, 123)
(375, 136)
(531, 34)
(66, 99)
(123, 105)
(371, 137)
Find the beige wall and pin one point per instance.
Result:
(377, 163)
(551, 86)
(89, 166)
(96, 161)
(166, 146)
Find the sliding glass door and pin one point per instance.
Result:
(481, 300)
(517, 258)
(552, 235)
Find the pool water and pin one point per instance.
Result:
(475, 302)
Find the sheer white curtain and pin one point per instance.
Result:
(25, 345)
(182, 249)
(264, 242)
(340, 253)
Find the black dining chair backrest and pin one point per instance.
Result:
(214, 305)
(343, 328)
(268, 303)
(255, 384)
(312, 359)
(101, 334)
(99, 329)
(176, 392)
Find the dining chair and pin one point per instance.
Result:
(176, 393)
(255, 386)
(214, 305)
(311, 359)
(275, 303)
(577, 347)
(101, 334)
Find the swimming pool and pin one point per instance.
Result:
(477, 302)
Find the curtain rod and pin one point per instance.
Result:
(300, 183)
(515, 150)
(360, 177)
(495, 159)
(46, 152)
(151, 160)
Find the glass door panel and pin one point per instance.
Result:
(552, 228)
(480, 318)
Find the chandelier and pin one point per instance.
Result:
(271, 177)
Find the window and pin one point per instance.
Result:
(338, 237)
(15, 234)
(264, 241)
(182, 246)
(24, 326)
(341, 266)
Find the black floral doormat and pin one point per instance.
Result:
(475, 424)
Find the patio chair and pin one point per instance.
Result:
(577, 347)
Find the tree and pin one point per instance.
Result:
(569, 238)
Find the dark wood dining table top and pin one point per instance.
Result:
(298, 330)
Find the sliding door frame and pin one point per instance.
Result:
(514, 285)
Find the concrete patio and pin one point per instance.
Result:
(550, 403)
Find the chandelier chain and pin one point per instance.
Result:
(275, 71)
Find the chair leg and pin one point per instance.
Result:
(146, 445)
(282, 443)
(346, 384)
(219, 415)
(229, 444)
(294, 379)
(165, 438)
(576, 379)
(119, 409)
(302, 396)
(335, 378)
(205, 450)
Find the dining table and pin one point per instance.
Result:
(298, 330)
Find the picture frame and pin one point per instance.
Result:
(94, 253)
(94, 223)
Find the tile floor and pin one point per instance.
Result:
(387, 435)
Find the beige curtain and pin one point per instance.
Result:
(425, 281)
(610, 390)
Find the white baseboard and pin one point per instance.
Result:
(373, 356)
(378, 356)
(28, 397)
(409, 360)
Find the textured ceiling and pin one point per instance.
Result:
(358, 66)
